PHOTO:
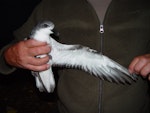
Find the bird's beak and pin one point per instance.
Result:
(55, 34)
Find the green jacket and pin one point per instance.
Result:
(127, 34)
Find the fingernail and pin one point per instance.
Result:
(130, 71)
(48, 66)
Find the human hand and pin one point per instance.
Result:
(141, 65)
(22, 55)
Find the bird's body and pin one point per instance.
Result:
(76, 56)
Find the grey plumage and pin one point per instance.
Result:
(76, 56)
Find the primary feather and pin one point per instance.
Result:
(76, 56)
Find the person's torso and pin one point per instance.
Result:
(126, 35)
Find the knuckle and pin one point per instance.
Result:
(137, 68)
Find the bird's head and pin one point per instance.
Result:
(45, 27)
(42, 31)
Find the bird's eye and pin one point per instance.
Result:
(45, 25)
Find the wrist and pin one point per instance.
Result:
(7, 57)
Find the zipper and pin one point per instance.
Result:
(100, 96)
(101, 30)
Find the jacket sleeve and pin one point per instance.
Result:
(4, 67)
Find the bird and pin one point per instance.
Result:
(75, 56)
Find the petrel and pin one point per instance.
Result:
(75, 57)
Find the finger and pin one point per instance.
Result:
(39, 61)
(132, 65)
(40, 50)
(139, 66)
(149, 77)
(32, 43)
(38, 68)
(145, 70)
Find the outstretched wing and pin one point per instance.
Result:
(89, 60)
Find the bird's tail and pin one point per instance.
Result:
(45, 80)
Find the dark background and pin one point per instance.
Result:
(13, 14)
(18, 93)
